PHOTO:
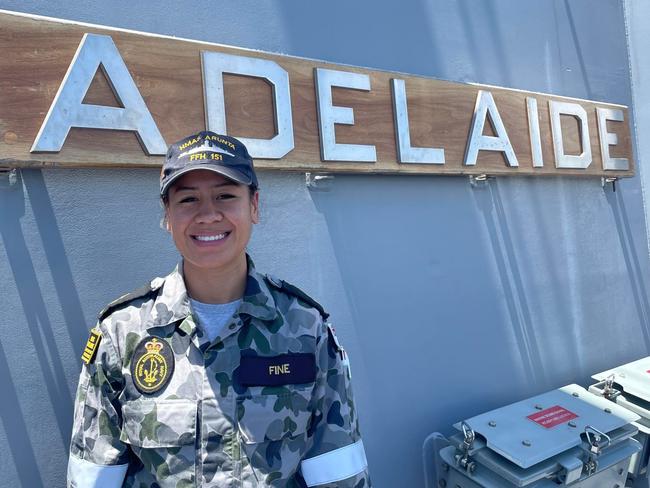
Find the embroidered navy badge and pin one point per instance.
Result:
(152, 365)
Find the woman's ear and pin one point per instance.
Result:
(164, 222)
(255, 207)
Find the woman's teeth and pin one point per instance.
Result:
(217, 237)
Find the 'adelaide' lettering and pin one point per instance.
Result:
(215, 65)
(534, 133)
(68, 111)
(485, 107)
(609, 139)
(563, 160)
(328, 115)
(100, 52)
(405, 152)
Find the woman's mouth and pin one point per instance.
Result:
(210, 237)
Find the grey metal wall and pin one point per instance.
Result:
(450, 299)
(636, 15)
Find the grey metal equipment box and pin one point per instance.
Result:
(566, 437)
(629, 386)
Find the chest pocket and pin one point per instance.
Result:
(162, 433)
(273, 425)
(274, 413)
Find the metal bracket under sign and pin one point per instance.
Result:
(604, 181)
(318, 182)
(479, 181)
(8, 177)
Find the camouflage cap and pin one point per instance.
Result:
(206, 150)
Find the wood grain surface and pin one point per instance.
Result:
(36, 53)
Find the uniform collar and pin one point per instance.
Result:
(172, 303)
(258, 301)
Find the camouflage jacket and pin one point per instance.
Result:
(267, 403)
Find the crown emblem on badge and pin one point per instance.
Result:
(153, 346)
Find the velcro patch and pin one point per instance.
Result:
(90, 351)
(285, 369)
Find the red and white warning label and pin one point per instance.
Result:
(552, 416)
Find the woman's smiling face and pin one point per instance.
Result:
(210, 219)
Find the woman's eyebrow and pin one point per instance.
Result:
(193, 188)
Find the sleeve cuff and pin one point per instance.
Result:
(82, 473)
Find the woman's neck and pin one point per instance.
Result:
(221, 285)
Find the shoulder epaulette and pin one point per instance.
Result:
(294, 291)
(143, 291)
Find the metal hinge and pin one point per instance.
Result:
(597, 441)
(464, 460)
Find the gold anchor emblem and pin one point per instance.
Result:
(151, 374)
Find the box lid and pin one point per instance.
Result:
(536, 429)
(601, 403)
(633, 377)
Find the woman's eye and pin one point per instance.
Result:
(188, 199)
(225, 196)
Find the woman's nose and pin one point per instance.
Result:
(209, 213)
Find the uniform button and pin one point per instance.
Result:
(232, 327)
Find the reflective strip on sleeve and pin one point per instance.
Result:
(84, 474)
(335, 465)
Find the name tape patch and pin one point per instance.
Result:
(90, 351)
(285, 369)
(152, 365)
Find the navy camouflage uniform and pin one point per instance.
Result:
(267, 403)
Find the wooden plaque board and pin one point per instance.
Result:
(35, 54)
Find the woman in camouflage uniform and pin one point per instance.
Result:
(215, 375)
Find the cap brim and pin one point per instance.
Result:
(229, 173)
